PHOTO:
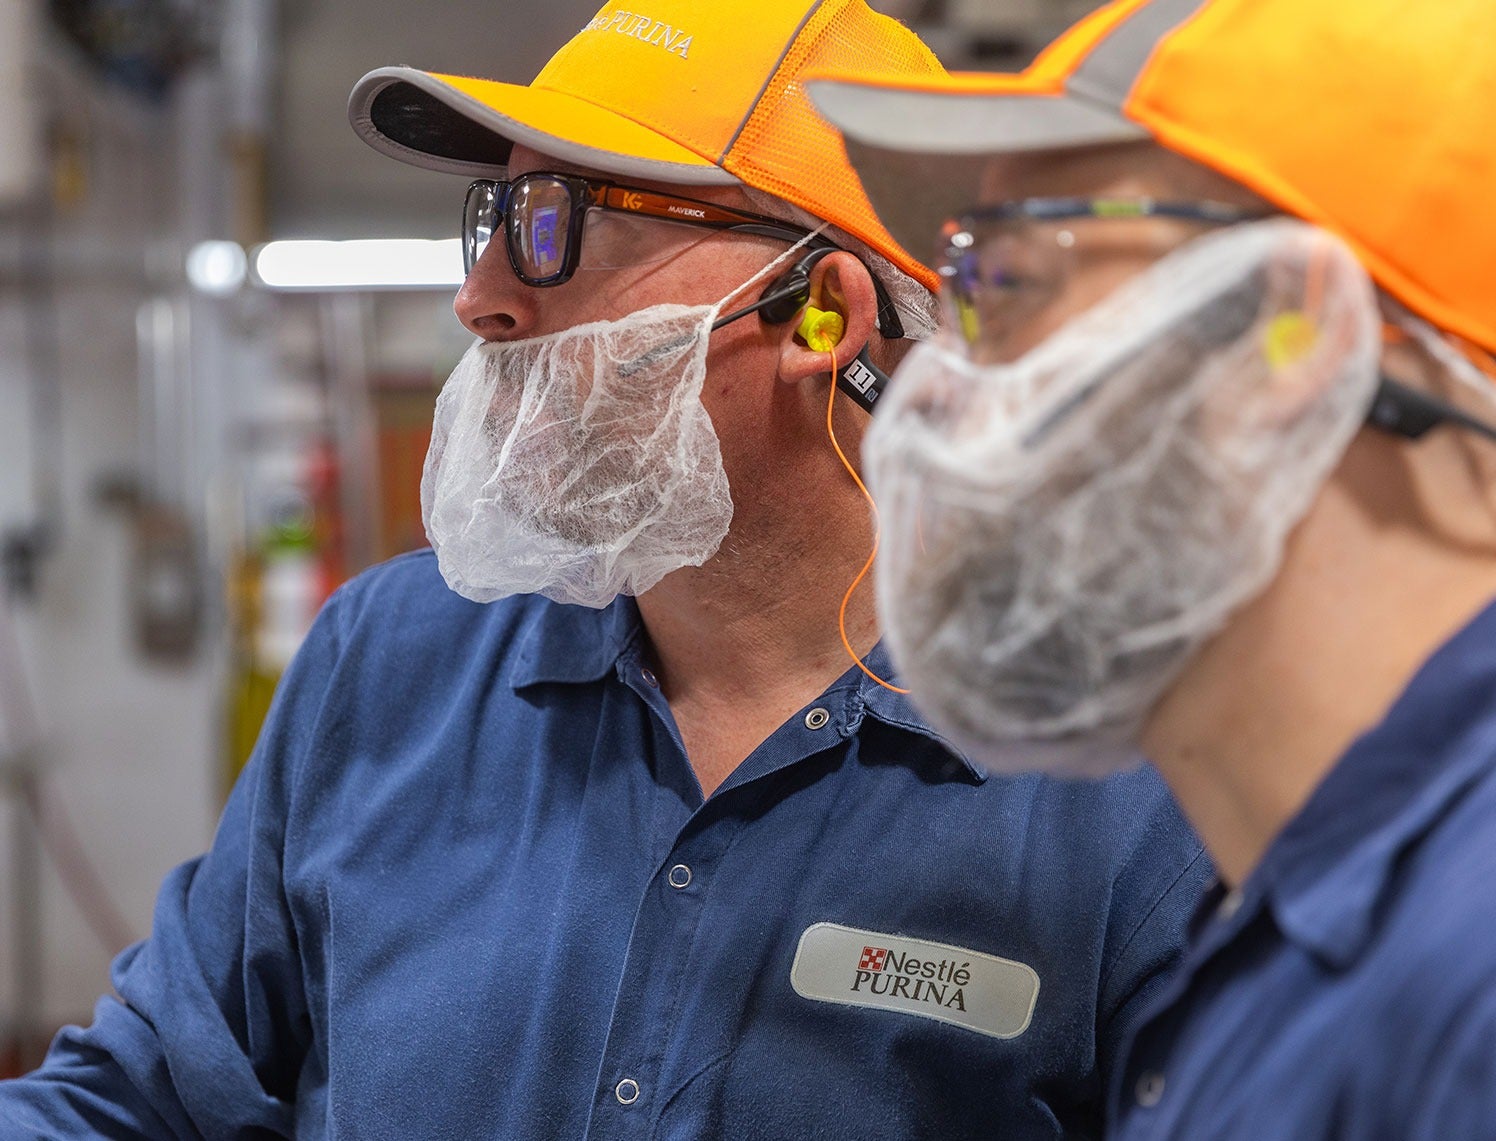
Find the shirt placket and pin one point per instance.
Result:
(628, 1093)
(631, 1079)
(1137, 1100)
(634, 1078)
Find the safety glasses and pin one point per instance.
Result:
(1003, 264)
(544, 217)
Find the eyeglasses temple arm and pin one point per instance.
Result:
(1404, 411)
(889, 322)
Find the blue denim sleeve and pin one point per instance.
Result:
(209, 1031)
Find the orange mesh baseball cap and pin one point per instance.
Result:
(1375, 119)
(685, 92)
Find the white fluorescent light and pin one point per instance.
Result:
(393, 263)
(216, 268)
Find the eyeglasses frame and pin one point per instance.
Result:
(1395, 408)
(1063, 209)
(586, 194)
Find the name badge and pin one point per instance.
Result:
(915, 976)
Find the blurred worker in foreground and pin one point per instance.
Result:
(1204, 461)
(575, 864)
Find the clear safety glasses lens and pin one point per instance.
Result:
(1005, 266)
(999, 277)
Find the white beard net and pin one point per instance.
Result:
(1060, 534)
(578, 466)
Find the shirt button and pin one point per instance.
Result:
(1230, 904)
(817, 718)
(626, 1091)
(1150, 1090)
(649, 678)
(680, 875)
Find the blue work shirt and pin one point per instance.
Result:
(469, 887)
(1348, 990)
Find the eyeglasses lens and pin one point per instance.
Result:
(539, 220)
(477, 222)
(537, 215)
(997, 277)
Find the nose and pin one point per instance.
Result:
(493, 303)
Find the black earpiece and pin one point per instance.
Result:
(782, 302)
(1403, 411)
(785, 296)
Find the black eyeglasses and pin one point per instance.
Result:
(544, 216)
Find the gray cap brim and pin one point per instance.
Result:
(920, 154)
(413, 116)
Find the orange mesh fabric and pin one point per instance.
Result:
(1375, 119)
(671, 94)
(787, 149)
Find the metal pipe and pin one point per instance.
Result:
(26, 901)
(346, 351)
(19, 734)
(20, 117)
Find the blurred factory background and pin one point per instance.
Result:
(203, 434)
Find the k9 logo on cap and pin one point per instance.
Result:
(915, 976)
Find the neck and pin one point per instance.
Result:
(1373, 582)
(736, 631)
(747, 639)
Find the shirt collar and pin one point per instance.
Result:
(576, 644)
(1327, 872)
(895, 708)
(565, 643)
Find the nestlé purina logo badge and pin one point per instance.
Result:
(980, 992)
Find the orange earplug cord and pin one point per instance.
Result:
(821, 331)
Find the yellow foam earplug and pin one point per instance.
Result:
(821, 330)
(1289, 338)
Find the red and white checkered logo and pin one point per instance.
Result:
(872, 958)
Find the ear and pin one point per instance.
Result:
(842, 283)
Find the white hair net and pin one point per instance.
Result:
(1061, 533)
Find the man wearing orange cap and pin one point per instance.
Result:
(1204, 462)
(635, 850)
